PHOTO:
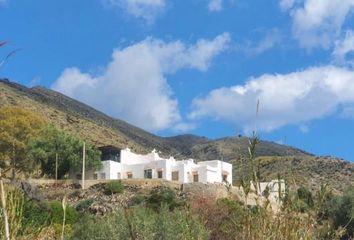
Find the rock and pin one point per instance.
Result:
(32, 192)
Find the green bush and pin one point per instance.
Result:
(56, 213)
(114, 187)
(109, 227)
(137, 200)
(340, 210)
(84, 205)
(306, 196)
(229, 219)
(163, 196)
(141, 223)
(300, 206)
(35, 215)
(75, 193)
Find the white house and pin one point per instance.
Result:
(273, 190)
(124, 164)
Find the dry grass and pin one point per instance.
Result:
(14, 207)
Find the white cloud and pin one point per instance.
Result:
(286, 4)
(271, 39)
(145, 9)
(347, 112)
(133, 85)
(316, 23)
(215, 5)
(290, 99)
(184, 127)
(343, 47)
(304, 128)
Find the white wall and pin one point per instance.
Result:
(138, 169)
(185, 169)
(128, 157)
(216, 169)
(109, 168)
(208, 171)
(274, 188)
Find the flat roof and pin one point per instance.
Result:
(108, 147)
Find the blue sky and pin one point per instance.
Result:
(196, 66)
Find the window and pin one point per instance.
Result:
(118, 175)
(129, 175)
(148, 173)
(110, 153)
(195, 177)
(159, 174)
(224, 175)
(175, 176)
(95, 176)
(103, 176)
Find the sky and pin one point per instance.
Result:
(196, 66)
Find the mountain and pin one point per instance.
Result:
(100, 129)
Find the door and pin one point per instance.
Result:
(148, 173)
(175, 176)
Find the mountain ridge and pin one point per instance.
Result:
(76, 108)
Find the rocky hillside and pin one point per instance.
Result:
(100, 129)
(310, 171)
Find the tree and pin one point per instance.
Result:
(340, 209)
(305, 195)
(17, 127)
(58, 152)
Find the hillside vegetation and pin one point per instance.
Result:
(99, 129)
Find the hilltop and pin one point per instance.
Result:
(100, 129)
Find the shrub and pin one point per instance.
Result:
(137, 200)
(340, 210)
(35, 215)
(109, 227)
(114, 187)
(163, 196)
(141, 223)
(15, 202)
(56, 213)
(75, 193)
(300, 206)
(228, 219)
(26, 218)
(306, 196)
(84, 205)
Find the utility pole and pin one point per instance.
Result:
(4, 211)
(83, 165)
(13, 162)
(56, 169)
(222, 169)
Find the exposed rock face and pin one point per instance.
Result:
(30, 190)
(101, 203)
